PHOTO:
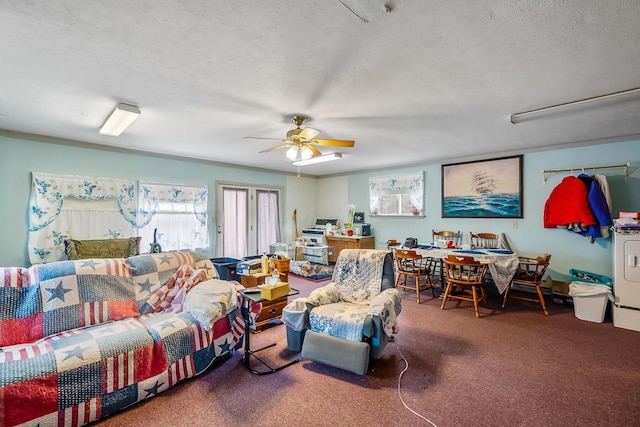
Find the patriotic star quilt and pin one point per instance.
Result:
(78, 341)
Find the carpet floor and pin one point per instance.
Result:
(511, 367)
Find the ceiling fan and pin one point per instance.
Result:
(301, 143)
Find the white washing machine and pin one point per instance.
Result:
(626, 284)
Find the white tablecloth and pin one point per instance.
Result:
(502, 265)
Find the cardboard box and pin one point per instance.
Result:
(246, 268)
(282, 265)
(274, 292)
(557, 286)
(257, 279)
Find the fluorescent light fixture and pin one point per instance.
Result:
(547, 111)
(120, 119)
(319, 159)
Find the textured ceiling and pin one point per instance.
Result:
(431, 81)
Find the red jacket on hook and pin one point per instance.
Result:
(568, 204)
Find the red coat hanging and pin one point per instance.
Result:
(568, 204)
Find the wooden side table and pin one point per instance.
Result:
(271, 310)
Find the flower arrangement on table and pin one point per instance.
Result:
(351, 208)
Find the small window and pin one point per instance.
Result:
(173, 216)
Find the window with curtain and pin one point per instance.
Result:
(77, 207)
(80, 207)
(398, 195)
(174, 215)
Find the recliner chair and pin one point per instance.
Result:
(353, 318)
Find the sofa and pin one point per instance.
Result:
(82, 339)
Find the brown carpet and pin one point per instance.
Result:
(512, 367)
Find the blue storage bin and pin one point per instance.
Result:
(587, 277)
(226, 268)
(252, 257)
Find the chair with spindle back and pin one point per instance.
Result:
(466, 273)
(410, 265)
(530, 274)
(483, 240)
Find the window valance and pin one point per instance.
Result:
(50, 191)
(151, 195)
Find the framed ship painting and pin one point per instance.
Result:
(483, 189)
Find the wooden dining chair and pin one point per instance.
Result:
(392, 243)
(483, 240)
(409, 264)
(468, 274)
(438, 266)
(446, 235)
(529, 275)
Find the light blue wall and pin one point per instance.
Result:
(19, 157)
(529, 238)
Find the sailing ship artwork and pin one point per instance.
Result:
(485, 189)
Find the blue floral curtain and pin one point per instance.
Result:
(177, 212)
(397, 195)
(77, 207)
(81, 207)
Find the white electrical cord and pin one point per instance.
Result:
(406, 367)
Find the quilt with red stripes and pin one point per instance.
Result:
(75, 346)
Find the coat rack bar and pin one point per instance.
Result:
(624, 166)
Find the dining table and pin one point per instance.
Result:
(502, 263)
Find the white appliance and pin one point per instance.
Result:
(317, 234)
(318, 254)
(626, 284)
(314, 235)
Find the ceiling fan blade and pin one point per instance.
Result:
(275, 148)
(308, 133)
(260, 137)
(314, 150)
(334, 142)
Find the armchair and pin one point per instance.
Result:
(353, 318)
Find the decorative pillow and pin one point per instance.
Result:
(101, 248)
(210, 301)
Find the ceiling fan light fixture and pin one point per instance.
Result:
(319, 159)
(305, 153)
(120, 119)
(292, 154)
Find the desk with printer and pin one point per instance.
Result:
(327, 233)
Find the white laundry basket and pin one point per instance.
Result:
(590, 300)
